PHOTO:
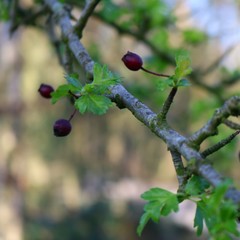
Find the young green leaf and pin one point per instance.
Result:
(183, 63)
(198, 221)
(73, 80)
(103, 78)
(142, 223)
(160, 203)
(196, 185)
(218, 213)
(62, 91)
(96, 104)
(163, 84)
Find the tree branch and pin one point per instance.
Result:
(86, 13)
(172, 138)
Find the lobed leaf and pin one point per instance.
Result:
(96, 104)
(196, 185)
(161, 203)
(73, 80)
(183, 63)
(62, 91)
(103, 78)
(218, 213)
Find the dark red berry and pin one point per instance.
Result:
(132, 61)
(45, 90)
(62, 128)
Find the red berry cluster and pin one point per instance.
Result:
(62, 127)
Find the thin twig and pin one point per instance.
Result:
(230, 107)
(219, 145)
(161, 117)
(232, 125)
(86, 13)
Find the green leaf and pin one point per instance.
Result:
(196, 185)
(96, 104)
(73, 79)
(62, 91)
(142, 223)
(219, 193)
(218, 213)
(103, 78)
(161, 203)
(164, 84)
(92, 95)
(183, 63)
(198, 221)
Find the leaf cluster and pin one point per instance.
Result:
(218, 214)
(89, 97)
(183, 68)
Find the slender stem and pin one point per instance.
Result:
(230, 108)
(71, 117)
(231, 124)
(86, 13)
(166, 106)
(219, 145)
(156, 74)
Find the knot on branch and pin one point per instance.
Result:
(233, 104)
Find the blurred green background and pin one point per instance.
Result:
(88, 185)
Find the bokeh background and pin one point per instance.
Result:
(88, 185)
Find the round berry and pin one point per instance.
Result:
(45, 90)
(132, 61)
(62, 128)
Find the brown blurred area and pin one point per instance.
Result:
(87, 185)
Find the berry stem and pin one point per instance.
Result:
(156, 74)
(71, 117)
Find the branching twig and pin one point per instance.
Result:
(230, 108)
(86, 13)
(219, 145)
